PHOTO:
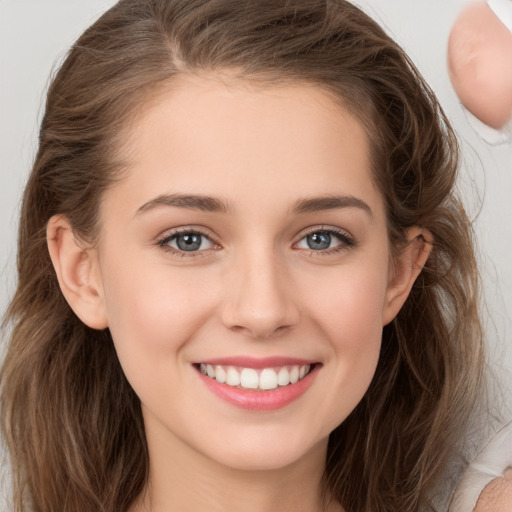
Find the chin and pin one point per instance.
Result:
(269, 453)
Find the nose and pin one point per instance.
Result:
(259, 301)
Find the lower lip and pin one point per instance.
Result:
(253, 400)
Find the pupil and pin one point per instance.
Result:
(189, 242)
(319, 241)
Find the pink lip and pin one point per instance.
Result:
(260, 400)
(257, 363)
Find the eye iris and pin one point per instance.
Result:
(188, 242)
(319, 241)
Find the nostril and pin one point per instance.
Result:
(261, 331)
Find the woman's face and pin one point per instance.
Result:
(247, 241)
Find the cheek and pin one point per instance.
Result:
(350, 321)
(349, 305)
(152, 315)
(356, 335)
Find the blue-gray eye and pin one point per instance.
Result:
(189, 242)
(319, 241)
(322, 240)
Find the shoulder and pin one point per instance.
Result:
(487, 484)
(497, 495)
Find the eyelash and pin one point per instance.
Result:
(346, 242)
(163, 243)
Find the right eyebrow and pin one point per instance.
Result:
(188, 201)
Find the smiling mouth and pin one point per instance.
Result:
(264, 379)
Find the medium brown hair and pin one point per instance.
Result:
(71, 421)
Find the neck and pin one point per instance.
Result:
(183, 480)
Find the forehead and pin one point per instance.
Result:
(236, 139)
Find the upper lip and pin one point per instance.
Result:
(257, 362)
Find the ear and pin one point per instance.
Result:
(405, 268)
(77, 271)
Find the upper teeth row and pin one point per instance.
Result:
(249, 378)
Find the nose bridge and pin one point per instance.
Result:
(259, 298)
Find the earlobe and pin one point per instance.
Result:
(408, 265)
(77, 272)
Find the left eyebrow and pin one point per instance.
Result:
(316, 204)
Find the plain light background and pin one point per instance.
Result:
(35, 34)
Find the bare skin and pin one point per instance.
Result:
(479, 56)
(233, 489)
(497, 495)
(251, 176)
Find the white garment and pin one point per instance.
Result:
(491, 462)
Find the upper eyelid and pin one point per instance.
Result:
(164, 240)
(345, 238)
(324, 229)
(170, 233)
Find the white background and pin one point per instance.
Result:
(35, 34)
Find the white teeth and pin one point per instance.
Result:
(268, 379)
(220, 374)
(283, 377)
(303, 370)
(249, 378)
(233, 377)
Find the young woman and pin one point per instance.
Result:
(245, 281)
